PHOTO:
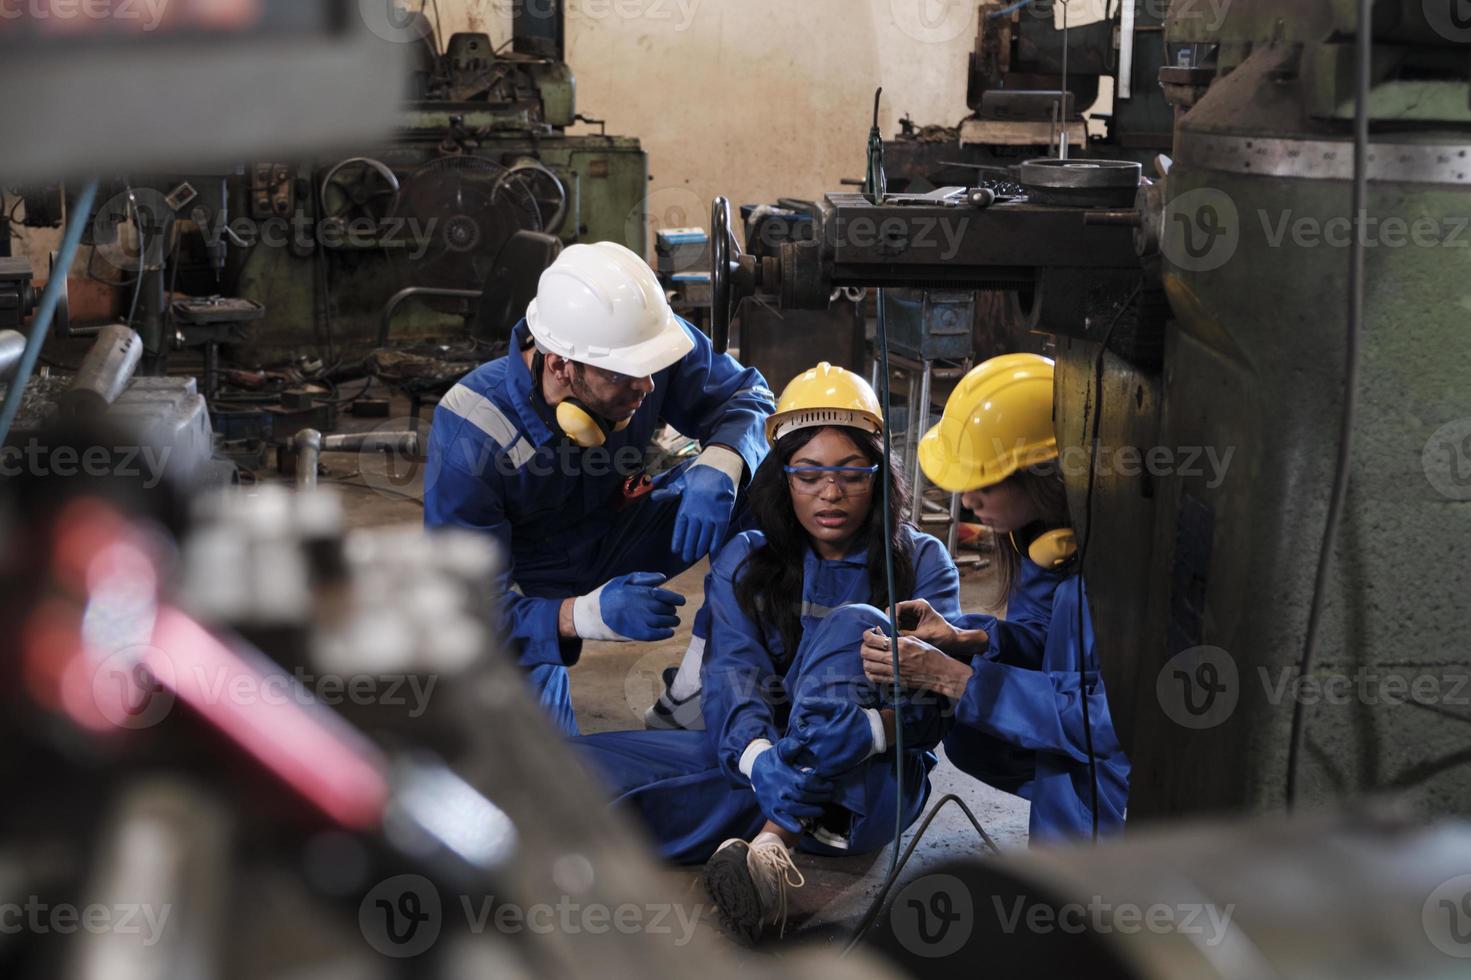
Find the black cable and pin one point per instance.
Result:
(883, 339)
(1083, 547)
(1356, 280)
(874, 909)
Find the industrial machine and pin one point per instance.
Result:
(435, 229)
(482, 152)
(1033, 86)
(1204, 321)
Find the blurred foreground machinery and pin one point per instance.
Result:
(1365, 895)
(294, 751)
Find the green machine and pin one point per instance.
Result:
(1203, 576)
(411, 237)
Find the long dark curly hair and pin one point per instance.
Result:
(769, 582)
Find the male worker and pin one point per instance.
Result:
(544, 450)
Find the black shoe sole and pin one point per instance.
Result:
(737, 903)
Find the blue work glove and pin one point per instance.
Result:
(787, 795)
(707, 497)
(833, 737)
(628, 608)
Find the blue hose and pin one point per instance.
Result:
(81, 210)
(1009, 10)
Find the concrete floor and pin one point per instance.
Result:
(614, 683)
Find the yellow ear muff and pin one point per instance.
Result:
(580, 425)
(584, 426)
(1054, 549)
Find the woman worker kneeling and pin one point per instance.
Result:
(1019, 722)
(797, 750)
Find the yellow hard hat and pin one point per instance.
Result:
(825, 395)
(998, 421)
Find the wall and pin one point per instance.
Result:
(754, 99)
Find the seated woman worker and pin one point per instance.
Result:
(1019, 723)
(797, 750)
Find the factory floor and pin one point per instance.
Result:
(614, 683)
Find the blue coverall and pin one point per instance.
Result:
(687, 786)
(1019, 723)
(498, 464)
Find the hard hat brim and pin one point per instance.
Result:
(668, 347)
(785, 423)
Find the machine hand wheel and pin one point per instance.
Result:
(725, 256)
(358, 188)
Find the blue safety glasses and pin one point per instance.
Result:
(812, 480)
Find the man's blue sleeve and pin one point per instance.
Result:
(714, 399)
(463, 489)
(737, 669)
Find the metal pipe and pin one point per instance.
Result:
(311, 444)
(105, 371)
(399, 297)
(12, 349)
(308, 455)
(919, 424)
(404, 443)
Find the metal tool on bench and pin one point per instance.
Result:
(210, 321)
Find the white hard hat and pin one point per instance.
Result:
(602, 305)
